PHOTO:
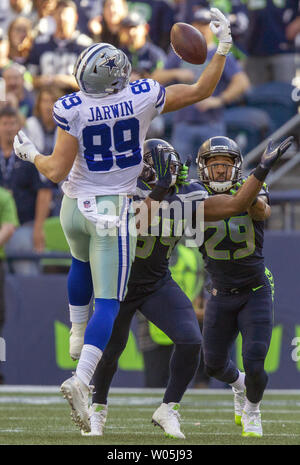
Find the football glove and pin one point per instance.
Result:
(220, 26)
(182, 178)
(236, 187)
(24, 148)
(270, 156)
(163, 173)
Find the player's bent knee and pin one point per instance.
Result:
(189, 334)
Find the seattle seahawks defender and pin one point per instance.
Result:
(152, 291)
(101, 130)
(242, 288)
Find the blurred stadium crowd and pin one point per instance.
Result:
(40, 41)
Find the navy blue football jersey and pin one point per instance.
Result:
(153, 251)
(233, 250)
(51, 56)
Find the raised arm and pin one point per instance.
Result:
(260, 210)
(181, 95)
(223, 206)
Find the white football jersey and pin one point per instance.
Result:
(111, 133)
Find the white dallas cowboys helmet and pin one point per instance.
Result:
(102, 69)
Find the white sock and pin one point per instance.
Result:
(239, 384)
(89, 358)
(250, 407)
(78, 329)
(79, 314)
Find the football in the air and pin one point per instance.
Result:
(188, 43)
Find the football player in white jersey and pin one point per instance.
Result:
(101, 131)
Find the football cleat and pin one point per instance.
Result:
(251, 422)
(77, 394)
(98, 414)
(168, 418)
(76, 341)
(239, 398)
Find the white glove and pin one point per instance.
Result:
(24, 148)
(220, 26)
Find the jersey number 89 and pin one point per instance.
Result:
(98, 140)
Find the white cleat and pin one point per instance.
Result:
(251, 422)
(98, 414)
(239, 398)
(77, 394)
(76, 341)
(168, 418)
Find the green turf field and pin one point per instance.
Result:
(28, 417)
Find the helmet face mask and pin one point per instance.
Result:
(148, 173)
(219, 174)
(101, 70)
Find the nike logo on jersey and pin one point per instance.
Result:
(106, 112)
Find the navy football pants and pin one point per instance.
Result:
(171, 311)
(251, 314)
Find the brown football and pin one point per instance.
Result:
(188, 43)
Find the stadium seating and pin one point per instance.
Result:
(247, 126)
(276, 99)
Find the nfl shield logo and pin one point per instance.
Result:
(86, 204)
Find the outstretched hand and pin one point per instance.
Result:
(220, 26)
(163, 174)
(270, 156)
(24, 148)
(273, 152)
(161, 167)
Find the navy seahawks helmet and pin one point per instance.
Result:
(148, 173)
(102, 69)
(219, 146)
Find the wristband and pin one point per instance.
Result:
(224, 48)
(261, 173)
(158, 193)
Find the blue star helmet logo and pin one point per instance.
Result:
(110, 63)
